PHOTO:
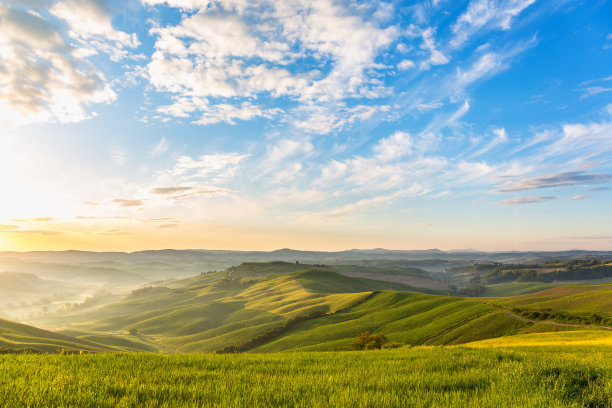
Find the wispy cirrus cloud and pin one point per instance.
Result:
(486, 15)
(124, 202)
(526, 200)
(170, 190)
(564, 179)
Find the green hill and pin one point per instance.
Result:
(212, 311)
(313, 309)
(404, 317)
(573, 299)
(15, 337)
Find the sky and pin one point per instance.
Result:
(308, 124)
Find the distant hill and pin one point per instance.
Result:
(16, 337)
(313, 309)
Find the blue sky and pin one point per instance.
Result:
(306, 124)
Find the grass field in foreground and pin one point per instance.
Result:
(567, 376)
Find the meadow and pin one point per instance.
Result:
(459, 376)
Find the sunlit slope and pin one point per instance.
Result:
(574, 299)
(315, 309)
(16, 336)
(404, 317)
(521, 288)
(209, 316)
(561, 338)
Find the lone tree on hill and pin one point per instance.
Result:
(368, 341)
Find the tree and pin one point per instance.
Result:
(368, 341)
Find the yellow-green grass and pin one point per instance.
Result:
(573, 299)
(486, 326)
(324, 281)
(17, 336)
(466, 377)
(210, 316)
(405, 317)
(206, 316)
(521, 288)
(122, 341)
(561, 338)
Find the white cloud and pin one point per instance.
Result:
(90, 24)
(405, 65)
(231, 50)
(45, 79)
(436, 56)
(323, 119)
(275, 159)
(500, 137)
(488, 64)
(394, 147)
(212, 167)
(228, 113)
(594, 90)
(160, 148)
(486, 14)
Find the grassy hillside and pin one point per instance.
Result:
(205, 314)
(210, 312)
(561, 338)
(576, 376)
(16, 336)
(404, 317)
(315, 309)
(573, 299)
(521, 288)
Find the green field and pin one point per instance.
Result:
(291, 330)
(571, 376)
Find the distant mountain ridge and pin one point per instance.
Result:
(231, 257)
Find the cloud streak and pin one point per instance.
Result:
(526, 200)
(555, 180)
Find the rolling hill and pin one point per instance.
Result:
(279, 306)
(15, 337)
(584, 299)
(314, 309)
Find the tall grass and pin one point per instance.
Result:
(408, 377)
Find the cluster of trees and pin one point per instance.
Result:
(482, 274)
(372, 341)
(475, 287)
(564, 317)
